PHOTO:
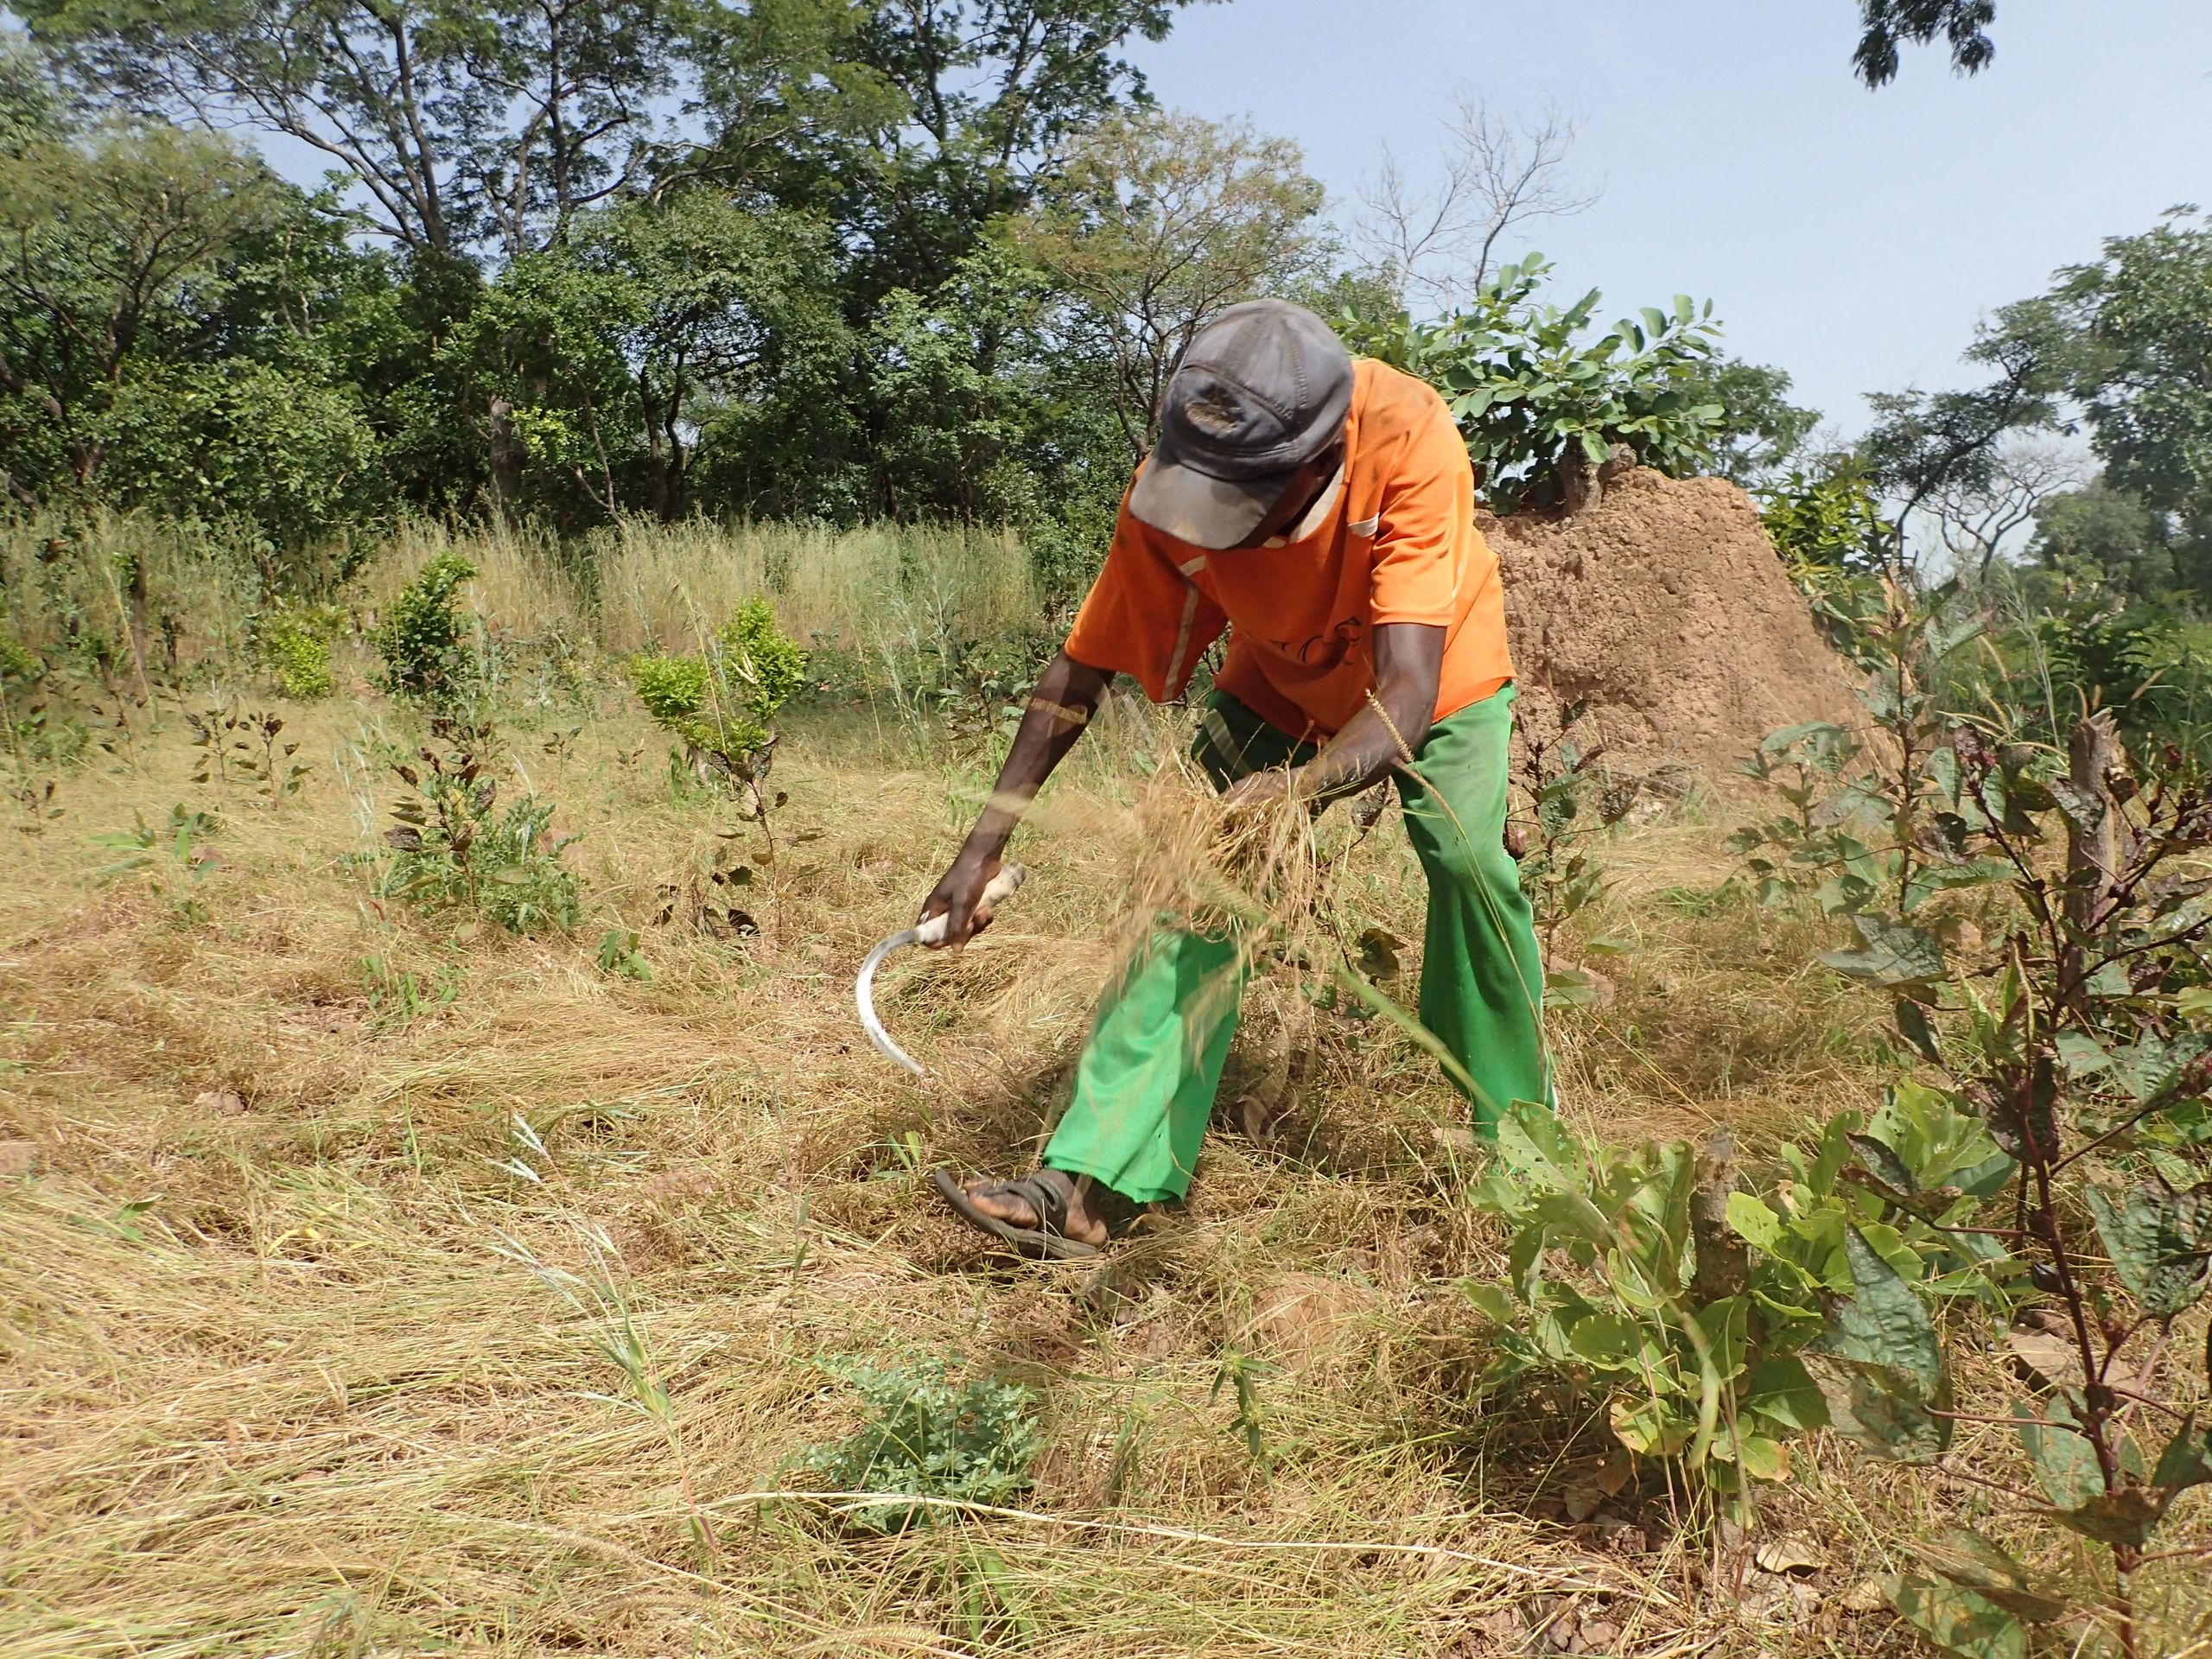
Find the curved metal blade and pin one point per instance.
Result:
(864, 999)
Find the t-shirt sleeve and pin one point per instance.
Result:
(1143, 617)
(1422, 528)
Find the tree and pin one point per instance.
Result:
(1889, 24)
(948, 115)
(1155, 224)
(1979, 517)
(720, 299)
(457, 121)
(1436, 246)
(1542, 399)
(1925, 447)
(1762, 431)
(2143, 371)
(954, 392)
(2108, 535)
(105, 232)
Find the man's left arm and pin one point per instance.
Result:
(1387, 733)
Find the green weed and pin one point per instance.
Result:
(928, 1437)
(458, 849)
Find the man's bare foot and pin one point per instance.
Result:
(1083, 1224)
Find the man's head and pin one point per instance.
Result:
(1256, 406)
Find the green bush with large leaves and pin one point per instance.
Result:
(1692, 1306)
(1530, 385)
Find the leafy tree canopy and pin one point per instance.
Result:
(1889, 25)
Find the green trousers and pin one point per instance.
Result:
(1145, 1084)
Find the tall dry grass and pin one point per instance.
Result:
(884, 591)
(894, 598)
(66, 578)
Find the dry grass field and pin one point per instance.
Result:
(373, 1285)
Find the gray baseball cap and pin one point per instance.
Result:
(1263, 389)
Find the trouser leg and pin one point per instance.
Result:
(1482, 972)
(1145, 1082)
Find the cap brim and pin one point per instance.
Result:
(1200, 509)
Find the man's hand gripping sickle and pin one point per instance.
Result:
(1059, 712)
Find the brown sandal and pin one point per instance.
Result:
(1041, 1244)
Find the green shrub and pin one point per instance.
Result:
(674, 690)
(1829, 530)
(1682, 1304)
(459, 850)
(1527, 388)
(420, 637)
(20, 666)
(2068, 1029)
(927, 1437)
(1832, 520)
(722, 705)
(293, 648)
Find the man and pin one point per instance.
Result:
(1322, 511)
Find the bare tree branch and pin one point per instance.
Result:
(1497, 172)
(1976, 519)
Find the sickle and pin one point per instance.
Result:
(1002, 887)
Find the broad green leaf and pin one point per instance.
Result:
(1595, 446)
(2187, 1460)
(1986, 1177)
(1879, 1365)
(1753, 1222)
(1725, 1325)
(1958, 1620)
(2082, 1054)
(2194, 1004)
(1882, 1409)
(1530, 1137)
(1883, 1163)
(2065, 1463)
(1967, 1558)
(1494, 1303)
(1569, 989)
(1893, 953)
(1917, 1028)
(1651, 1428)
(1945, 878)
(1886, 1324)
(2128, 1516)
(1609, 1340)
(1782, 1391)
(2021, 1127)
(1574, 1216)
(2151, 1070)
(1760, 1458)
(2158, 1240)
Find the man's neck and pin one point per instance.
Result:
(1298, 526)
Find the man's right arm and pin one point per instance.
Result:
(1066, 695)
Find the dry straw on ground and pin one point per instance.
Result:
(281, 1371)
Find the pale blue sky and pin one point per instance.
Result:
(1853, 237)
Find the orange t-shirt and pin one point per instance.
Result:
(1397, 543)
